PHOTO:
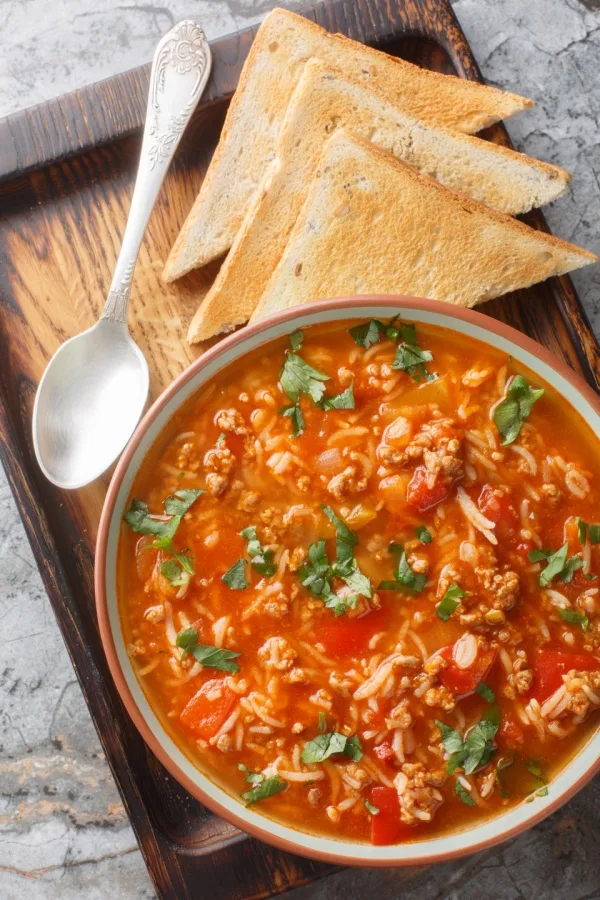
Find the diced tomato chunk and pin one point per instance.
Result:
(343, 635)
(551, 665)
(462, 682)
(495, 505)
(510, 733)
(386, 826)
(208, 709)
(420, 495)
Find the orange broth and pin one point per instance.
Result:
(409, 455)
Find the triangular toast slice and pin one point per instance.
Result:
(372, 224)
(323, 101)
(281, 47)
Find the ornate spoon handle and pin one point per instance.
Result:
(180, 71)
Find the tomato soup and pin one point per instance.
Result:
(358, 581)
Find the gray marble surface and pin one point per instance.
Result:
(63, 830)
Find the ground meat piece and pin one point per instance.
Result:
(303, 483)
(434, 665)
(436, 445)
(231, 420)
(224, 743)
(218, 462)
(440, 696)
(584, 688)
(276, 653)
(345, 376)
(296, 559)
(418, 563)
(248, 501)
(502, 585)
(340, 684)
(138, 648)
(520, 679)
(346, 482)
(155, 614)
(551, 493)
(401, 715)
(216, 484)
(276, 605)
(417, 792)
(296, 676)
(187, 458)
(314, 795)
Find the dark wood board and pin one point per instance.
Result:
(66, 173)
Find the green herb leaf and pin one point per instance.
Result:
(586, 530)
(322, 722)
(316, 571)
(174, 573)
(511, 412)
(185, 561)
(558, 566)
(574, 618)
(423, 534)
(298, 377)
(221, 439)
(355, 579)
(261, 560)
(451, 739)
(296, 339)
(346, 540)
(329, 743)
(411, 359)
(251, 777)
(179, 502)
(235, 577)
(463, 794)
(449, 602)
(294, 413)
(139, 520)
(211, 657)
(367, 333)
(345, 400)
(267, 788)
(406, 580)
(372, 810)
(533, 766)
(485, 691)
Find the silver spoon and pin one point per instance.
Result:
(95, 387)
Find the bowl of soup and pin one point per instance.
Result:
(347, 581)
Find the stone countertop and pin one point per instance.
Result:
(63, 831)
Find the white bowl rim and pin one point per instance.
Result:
(498, 828)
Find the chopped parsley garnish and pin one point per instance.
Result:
(294, 412)
(345, 400)
(179, 502)
(463, 794)
(211, 657)
(235, 577)
(449, 602)
(511, 412)
(367, 333)
(176, 505)
(221, 439)
(325, 745)
(558, 566)
(372, 810)
(264, 789)
(261, 560)
(296, 339)
(317, 572)
(411, 358)
(485, 691)
(298, 377)
(423, 534)
(178, 570)
(587, 531)
(574, 618)
(322, 722)
(405, 579)
(533, 766)
(476, 750)
(251, 777)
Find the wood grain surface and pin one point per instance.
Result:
(67, 169)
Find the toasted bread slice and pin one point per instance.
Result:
(323, 101)
(372, 224)
(282, 45)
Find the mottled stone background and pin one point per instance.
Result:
(63, 831)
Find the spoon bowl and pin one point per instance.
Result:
(88, 403)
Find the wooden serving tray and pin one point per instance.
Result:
(66, 176)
